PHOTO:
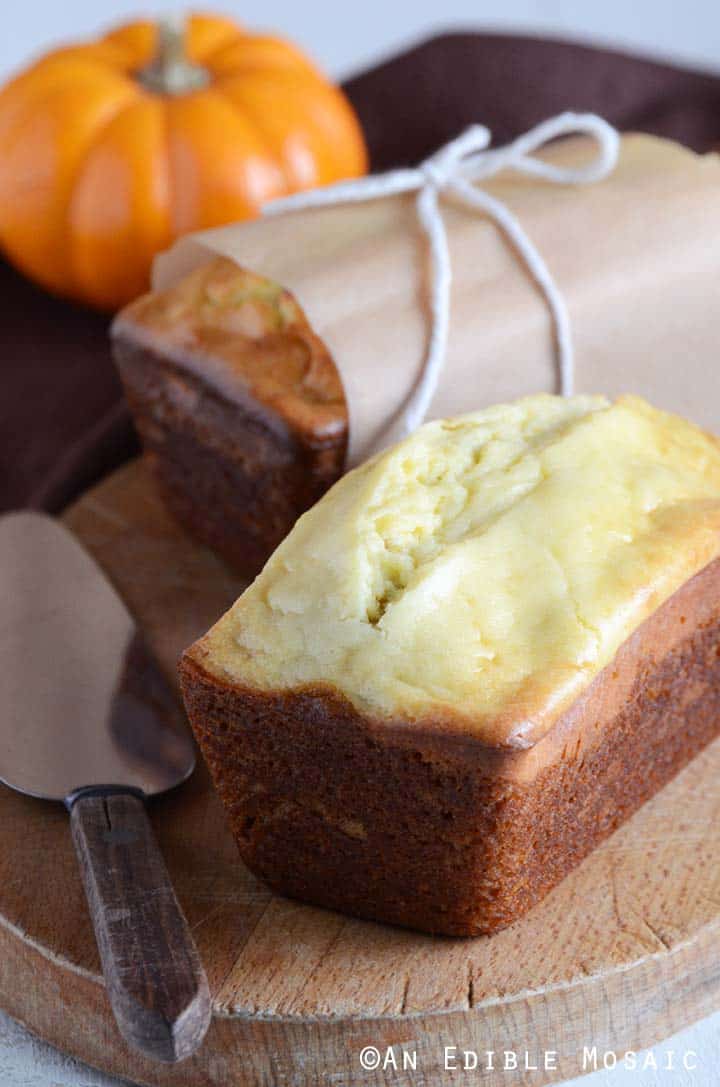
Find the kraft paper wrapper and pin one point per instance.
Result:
(637, 257)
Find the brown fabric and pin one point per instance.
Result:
(414, 102)
(62, 423)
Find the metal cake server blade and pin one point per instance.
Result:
(87, 718)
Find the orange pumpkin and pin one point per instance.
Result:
(110, 150)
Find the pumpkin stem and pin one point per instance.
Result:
(170, 71)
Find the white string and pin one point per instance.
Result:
(454, 170)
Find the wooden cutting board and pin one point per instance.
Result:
(623, 953)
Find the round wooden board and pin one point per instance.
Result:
(623, 953)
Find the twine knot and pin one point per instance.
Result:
(455, 170)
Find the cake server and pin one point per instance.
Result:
(87, 718)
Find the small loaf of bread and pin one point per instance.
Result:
(475, 657)
(238, 405)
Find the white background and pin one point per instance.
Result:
(345, 36)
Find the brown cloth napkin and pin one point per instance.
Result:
(63, 424)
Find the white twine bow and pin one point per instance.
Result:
(454, 170)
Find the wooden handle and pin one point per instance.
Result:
(155, 980)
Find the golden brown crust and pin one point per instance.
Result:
(405, 823)
(250, 338)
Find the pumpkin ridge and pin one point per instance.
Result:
(119, 221)
(210, 60)
(105, 55)
(218, 47)
(67, 233)
(238, 89)
(292, 59)
(59, 223)
(263, 137)
(34, 95)
(212, 94)
(225, 28)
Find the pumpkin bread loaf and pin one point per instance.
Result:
(475, 657)
(238, 404)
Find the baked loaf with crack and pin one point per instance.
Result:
(239, 407)
(475, 657)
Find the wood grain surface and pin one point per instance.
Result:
(622, 953)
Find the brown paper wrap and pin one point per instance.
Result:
(637, 257)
